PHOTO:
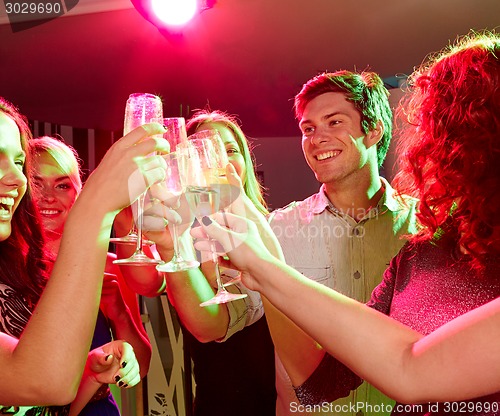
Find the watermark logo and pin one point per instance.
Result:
(448, 408)
(342, 409)
(25, 14)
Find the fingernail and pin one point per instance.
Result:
(120, 384)
(206, 221)
(117, 378)
(125, 386)
(124, 364)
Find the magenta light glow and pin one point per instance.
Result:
(174, 12)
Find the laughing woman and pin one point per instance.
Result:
(45, 365)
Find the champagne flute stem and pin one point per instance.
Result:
(177, 255)
(218, 278)
(140, 219)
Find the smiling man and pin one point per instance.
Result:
(345, 235)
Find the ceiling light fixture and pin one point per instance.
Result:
(171, 15)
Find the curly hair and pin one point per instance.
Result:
(450, 150)
(365, 90)
(253, 188)
(22, 258)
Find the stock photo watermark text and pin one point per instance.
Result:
(452, 408)
(25, 14)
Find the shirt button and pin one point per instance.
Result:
(357, 275)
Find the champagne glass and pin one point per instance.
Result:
(204, 174)
(228, 194)
(230, 277)
(141, 108)
(176, 131)
(173, 189)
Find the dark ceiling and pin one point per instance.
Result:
(248, 57)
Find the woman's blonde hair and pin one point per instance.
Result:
(63, 154)
(252, 186)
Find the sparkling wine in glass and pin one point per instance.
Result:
(141, 108)
(227, 192)
(173, 189)
(204, 174)
(176, 131)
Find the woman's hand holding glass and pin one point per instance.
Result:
(236, 237)
(141, 108)
(132, 157)
(243, 206)
(171, 193)
(242, 234)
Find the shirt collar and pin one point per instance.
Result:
(389, 201)
(319, 202)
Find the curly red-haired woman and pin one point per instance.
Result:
(451, 150)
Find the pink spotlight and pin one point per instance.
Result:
(174, 12)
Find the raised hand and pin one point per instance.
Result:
(238, 238)
(162, 212)
(131, 157)
(243, 207)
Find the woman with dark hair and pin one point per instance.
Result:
(26, 275)
(440, 283)
(45, 366)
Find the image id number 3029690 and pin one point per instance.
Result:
(39, 8)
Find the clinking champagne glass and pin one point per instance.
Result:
(204, 174)
(141, 108)
(228, 194)
(173, 190)
(176, 131)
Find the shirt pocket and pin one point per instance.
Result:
(323, 275)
